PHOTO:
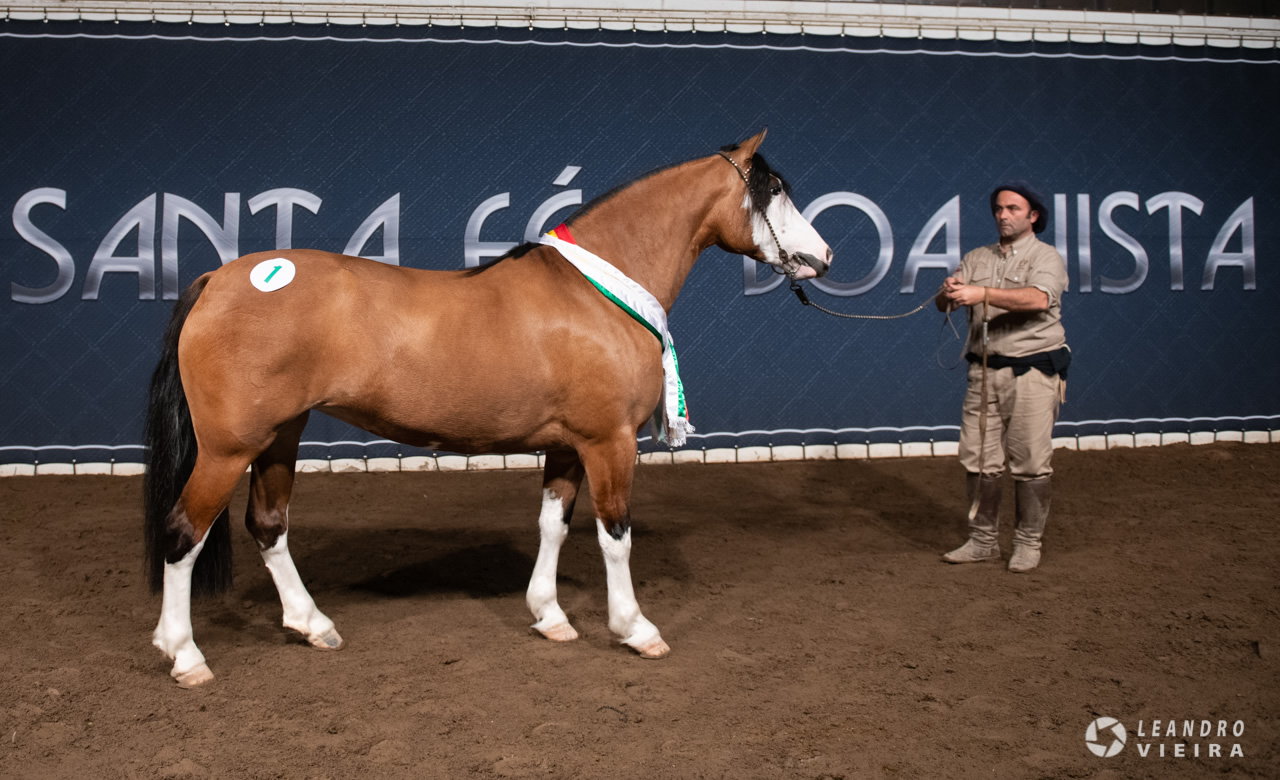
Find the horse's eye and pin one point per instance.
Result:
(775, 190)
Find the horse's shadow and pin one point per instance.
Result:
(922, 515)
(488, 570)
(353, 564)
(344, 565)
(900, 508)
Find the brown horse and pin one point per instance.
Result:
(523, 354)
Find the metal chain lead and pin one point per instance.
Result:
(799, 291)
(790, 266)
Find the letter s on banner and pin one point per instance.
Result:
(1141, 263)
(41, 240)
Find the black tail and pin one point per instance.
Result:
(170, 458)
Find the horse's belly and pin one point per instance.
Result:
(452, 430)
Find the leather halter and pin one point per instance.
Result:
(789, 264)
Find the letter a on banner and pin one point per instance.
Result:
(142, 218)
(1242, 220)
(946, 218)
(387, 217)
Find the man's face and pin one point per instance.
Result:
(1014, 216)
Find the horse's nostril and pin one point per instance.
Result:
(830, 255)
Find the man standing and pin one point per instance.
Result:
(1018, 359)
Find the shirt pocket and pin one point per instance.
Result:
(1018, 274)
(982, 275)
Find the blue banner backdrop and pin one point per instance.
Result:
(135, 157)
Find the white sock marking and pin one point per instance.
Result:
(300, 611)
(625, 619)
(173, 634)
(541, 596)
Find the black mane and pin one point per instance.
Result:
(758, 180)
(759, 183)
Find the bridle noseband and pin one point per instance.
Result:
(789, 265)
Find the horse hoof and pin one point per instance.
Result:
(653, 649)
(562, 632)
(329, 640)
(193, 677)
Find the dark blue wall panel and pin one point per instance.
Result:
(117, 123)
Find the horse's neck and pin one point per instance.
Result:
(653, 230)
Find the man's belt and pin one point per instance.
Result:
(1054, 362)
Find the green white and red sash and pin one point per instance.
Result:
(671, 418)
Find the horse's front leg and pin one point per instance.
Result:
(560, 482)
(610, 468)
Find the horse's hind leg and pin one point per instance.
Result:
(610, 468)
(560, 481)
(203, 499)
(268, 521)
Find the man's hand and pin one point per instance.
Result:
(956, 293)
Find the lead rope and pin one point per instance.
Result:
(937, 350)
(799, 291)
(789, 266)
(982, 413)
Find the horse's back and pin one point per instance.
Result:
(426, 357)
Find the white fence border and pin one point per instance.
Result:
(835, 17)
(764, 454)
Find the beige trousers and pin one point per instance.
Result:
(1021, 411)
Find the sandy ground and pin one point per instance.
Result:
(815, 633)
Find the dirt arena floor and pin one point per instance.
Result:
(814, 631)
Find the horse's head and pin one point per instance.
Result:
(767, 227)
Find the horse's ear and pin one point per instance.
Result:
(747, 149)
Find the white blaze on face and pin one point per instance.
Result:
(793, 232)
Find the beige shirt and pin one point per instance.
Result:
(1031, 263)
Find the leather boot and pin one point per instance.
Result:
(983, 544)
(1033, 510)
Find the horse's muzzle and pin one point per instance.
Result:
(820, 267)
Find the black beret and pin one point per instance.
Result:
(1027, 191)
